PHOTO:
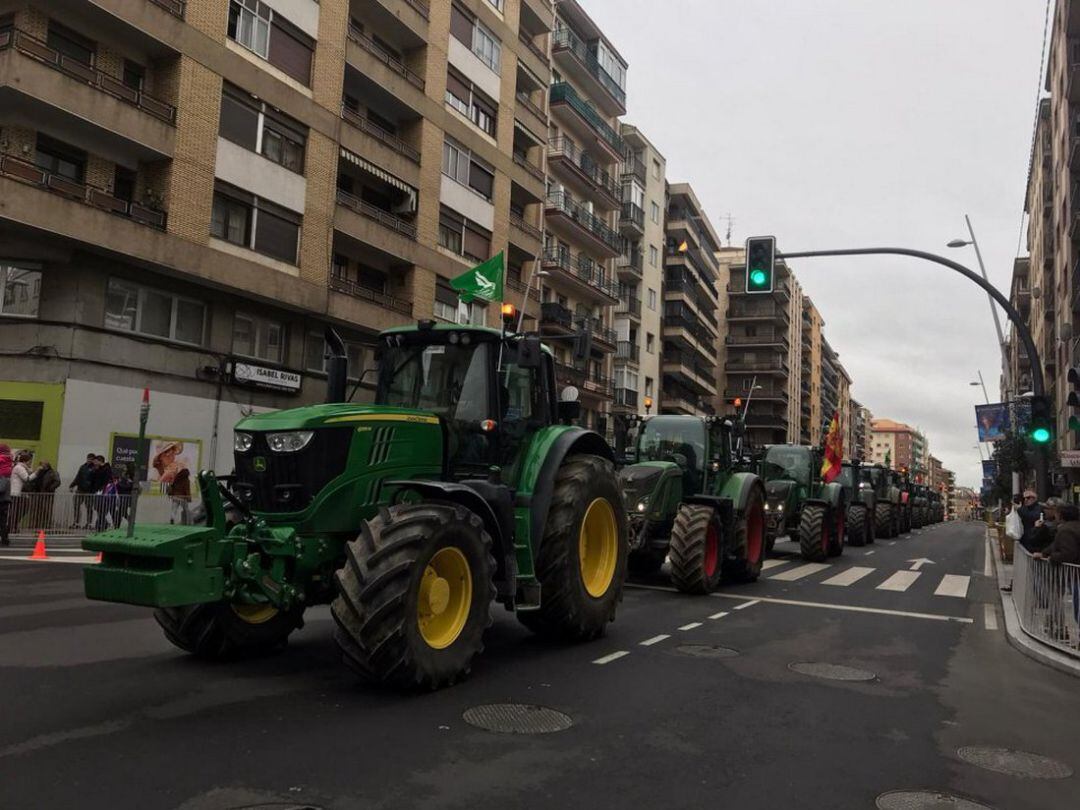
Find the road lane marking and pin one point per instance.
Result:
(654, 640)
(800, 572)
(72, 561)
(850, 576)
(719, 615)
(615, 656)
(765, 566)
(988, 562)
(746, 604)
(867, 553)
(891, 543)
(990, 617)
(690, 626)
(900, 581)
(938, 617)
(953, 585)
(919, 563)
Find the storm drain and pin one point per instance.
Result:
(517, 718)
(832, 672)
(1014, 763)
(926, 800)
(706, 651)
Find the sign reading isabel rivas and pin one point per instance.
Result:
(265, 377)
(484, 281)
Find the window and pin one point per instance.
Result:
(20, 289)
(70, 44)
(249, 25)
(134, 308)
(611, 64)
(470, 102)
(449, 307)
(258, 28)
(653, 256)
(637, 195)
(461, 25)
(475, 36)
(246, 220)
(652, 299)
(648, 386)
(134, 75)
(60, 159)
(656, 168)
(462, 236)
(231, 220)
(498, 4)
(239, 120)
(486, 46)
(260, 128)
(283, 141)
(464, 167)
(257, 337)
(654, 212)
(650, 342)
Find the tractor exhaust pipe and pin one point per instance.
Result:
(337, 366)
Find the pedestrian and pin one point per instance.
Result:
(125, 485)
(83, 485)
(41, 488)
(180, 493)
(103, 477)
(5, 492)
(1063, 551)
(20, 476)
(1030, 512)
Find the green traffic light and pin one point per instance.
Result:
(757, 277)
(1040, 435)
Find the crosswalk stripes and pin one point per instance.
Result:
(765, 566)
(900, 581)
(791, 569)
(800, 572)
(849, 576)
(953, 585)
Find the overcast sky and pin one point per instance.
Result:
(847, 123)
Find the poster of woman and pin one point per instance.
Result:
(167, 458)
(992, 421)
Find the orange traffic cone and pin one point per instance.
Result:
(99, 556)
(39, 547)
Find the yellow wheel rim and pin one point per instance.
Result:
(445, 597)
(255, 614)
(598, 547)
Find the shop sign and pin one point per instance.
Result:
(273, 379)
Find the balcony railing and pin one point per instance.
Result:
(534, 170)
(568, 373)
(632, 262)
(526, 102)
(691, 289)
(384, 56)
(601, 179)
(561, 201)
(599, 384)
(349, 287)
(707, 371)
(758, 365)
(599, 331)
(583, 268)
(752, 312)
(420, 7)
(628, 350)
(552, 312)
(634, 168)
(566, 40)
(759, 340)
(527, 41)
(174, 7)
(28, 173)
(380, 134)
(384, 218)
(629, 306)
(37, 49)
(633, 215)
(627, 397)
(561, 92)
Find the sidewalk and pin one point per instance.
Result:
(1014, 633)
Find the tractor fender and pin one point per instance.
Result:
(738, 488)
(549, 448)
(835, 496)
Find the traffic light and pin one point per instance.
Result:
(1074, 398)
(1042, 424)
(760, 262)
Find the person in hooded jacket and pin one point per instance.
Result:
(5, 492)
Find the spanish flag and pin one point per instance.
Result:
(834, 450)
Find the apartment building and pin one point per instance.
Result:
(691, 326)
(1016, 360)
(906, 447)
(765, 350)
(860, 445)
(584, 225)
(638, 314)
(811, 412)
(193, 190)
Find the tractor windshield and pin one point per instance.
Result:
(871, 475)
(787, 461)
(675, 438)
(847, 477)
(449, 380)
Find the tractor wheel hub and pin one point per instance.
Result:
(434, 593)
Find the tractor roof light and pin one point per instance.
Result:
(509, 313)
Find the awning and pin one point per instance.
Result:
(385, 176)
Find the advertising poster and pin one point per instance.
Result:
(989, 470)
(165, 457)
(992, 421)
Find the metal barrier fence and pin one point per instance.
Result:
(1047, 599)
(74, 515)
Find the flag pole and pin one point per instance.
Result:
(140, 459)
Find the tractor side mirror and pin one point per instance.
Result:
(529, 352)
(569, 412)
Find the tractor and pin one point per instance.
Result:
(462, 485)
(687, 503)
(886, 515)
(937, 507)
(861, 504)
(799, 504)
(920, 506)
(902, 482)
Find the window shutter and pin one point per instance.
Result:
(477, 243)
(461, 27)
(276, 235)
(445, 294)
(239, 121)
(290, 50)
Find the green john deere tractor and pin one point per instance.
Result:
(886, 515)
(410, 516)
(861, 504)
(687, 502)
(799, 504)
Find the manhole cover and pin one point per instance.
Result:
(1014, 763)
(832, 672)
(926, 800)
(706, 651)
(517, 718)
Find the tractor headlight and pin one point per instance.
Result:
(767, 507)
(643, 504)
(780, 508)
(862, 485)
(289, 442)
(241, 442)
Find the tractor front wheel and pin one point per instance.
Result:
(750, 541)
(414, 595)
(582, 561)
(883, 520)
(814, 533)
(218, 630)
(696, 549)
(857, 526)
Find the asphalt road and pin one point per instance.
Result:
(98, 711)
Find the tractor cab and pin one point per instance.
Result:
(699, 447)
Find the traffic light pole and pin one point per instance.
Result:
(1042, 464)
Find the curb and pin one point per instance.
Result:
(1014, 633)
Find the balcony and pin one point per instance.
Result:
(554, 314)
(630, 306)
(378, 133)
(30, 174)
(174, 7)
(576, 223)
(626, 398)
(631, 264)
(587, 122)
(533, 48)
(677, 286)
(532, 169)
(576, 60)
(600, 334)
(527, 104)
(390, 60)
(760, 393)
(752, 313)
(588, 277)
(632, 220)
(569, 374)
(678, 316)
(377, 297)
(774, 365)
(628, 350)
(599, 385)
(634, 168)
(768, 339)
(689, 368)
(582, 173)
(385, 218)
(519, 222)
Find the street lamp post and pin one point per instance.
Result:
(983, 384)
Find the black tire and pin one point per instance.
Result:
(883, 519)
(645, 562)
(215, 631)
(770, 543)
(697, 549)
(567, 609)
(746, 566)
(814, 533)
(871, 523)
(377, 609)
(856, 525)
(837, 518)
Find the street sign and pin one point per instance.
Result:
(274, 379)
(1070, 458)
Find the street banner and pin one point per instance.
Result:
(163, 457)
(1021, 414)
(834, 450)
(989, 468)
(484, 281)
(992, 421)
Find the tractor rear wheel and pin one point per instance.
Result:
(814, 533)
(696, 549)
(749, 541)
(582, 561)
(414, 596)
(219, 630)
(838, 518)
(883, 520)
(857, 525)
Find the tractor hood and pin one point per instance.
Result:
(332, 415)
(639, 481)
(778, 490)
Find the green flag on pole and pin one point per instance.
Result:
(484, 281)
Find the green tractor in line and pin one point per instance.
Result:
(902, 482)
(862, 504)
(464, 484)
(800, 504)
(687, 502)
(920, 506)
(937, 507)
(882, 482)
